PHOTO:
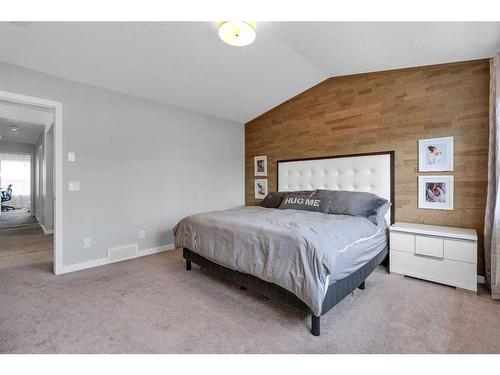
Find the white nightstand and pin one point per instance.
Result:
(445, 255)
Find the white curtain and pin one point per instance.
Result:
(492, 218)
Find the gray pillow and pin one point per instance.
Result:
(306, 203)
(356, 203)
(273, 199)
(379, 217)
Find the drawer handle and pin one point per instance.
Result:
(428, 256)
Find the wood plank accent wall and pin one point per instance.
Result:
(384, 111)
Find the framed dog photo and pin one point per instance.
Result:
(435, 192)
(260, 188)
(260, 164)
(435, 154)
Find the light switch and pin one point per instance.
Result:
(87, 242)
(73, 185)
(71, 156)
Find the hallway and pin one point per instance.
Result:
(22, 240)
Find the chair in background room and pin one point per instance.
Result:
(7, 196)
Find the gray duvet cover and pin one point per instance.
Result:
(294, 249)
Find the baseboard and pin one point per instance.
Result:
(154, 250)
(481, 279)
(104, 261)
(46, 231)
(83, 265)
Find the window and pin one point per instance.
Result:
(15, 170)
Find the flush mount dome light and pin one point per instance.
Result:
(13, 129)
(238, 33)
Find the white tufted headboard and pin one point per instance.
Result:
(373, 173)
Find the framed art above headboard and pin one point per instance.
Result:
(370, 172)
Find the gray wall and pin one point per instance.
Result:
(16, 148)
(48, 190)
(38, 167)
(141, 164)
(43, 192)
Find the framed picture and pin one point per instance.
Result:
(260, 164)
(260, 188)
(435, 154)
(435, 192)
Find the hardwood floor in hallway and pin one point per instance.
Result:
(22, 240)
(17, 219)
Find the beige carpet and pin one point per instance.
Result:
(24, 259)
(152, 305)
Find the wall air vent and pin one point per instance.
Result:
(122, 252)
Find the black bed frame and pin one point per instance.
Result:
(336, 291)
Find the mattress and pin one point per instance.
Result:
(357, 254)
(301, 251)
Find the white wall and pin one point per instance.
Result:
(141, 164)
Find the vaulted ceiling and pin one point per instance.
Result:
(186, 65)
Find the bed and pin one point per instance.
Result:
(310, 260)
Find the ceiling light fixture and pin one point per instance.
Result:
(238, 33)
(13, 129)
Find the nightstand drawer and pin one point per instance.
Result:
(464, 251)
(403, 242)
(445, 271)
(429, 246)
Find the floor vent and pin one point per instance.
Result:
(123, 252)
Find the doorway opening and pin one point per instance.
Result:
(28, 225)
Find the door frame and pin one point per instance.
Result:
(58, 167)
